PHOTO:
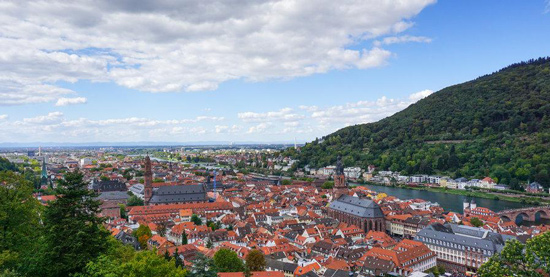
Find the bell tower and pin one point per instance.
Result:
(340, 185)
(148, 184)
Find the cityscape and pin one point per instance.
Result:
(274, 138)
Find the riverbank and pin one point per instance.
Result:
(531, 200)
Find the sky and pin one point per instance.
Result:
(243, 70)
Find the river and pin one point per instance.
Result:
(449, 202)
(454, 202)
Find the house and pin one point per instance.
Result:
(534, 187)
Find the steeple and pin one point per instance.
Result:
(340, 185)
(148, 181)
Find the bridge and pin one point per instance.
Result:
(528, 214)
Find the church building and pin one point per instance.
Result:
(363, 213)
(170, 194)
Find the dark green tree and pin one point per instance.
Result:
(161, 228)
(73, 233)
(19, 222)
(476, 222)
(226, 260)
(196, 219)
(203, 267)
(183, 238)
(134, 201)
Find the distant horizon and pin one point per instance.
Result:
(144, 144)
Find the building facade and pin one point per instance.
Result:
(363, 213)
(461, 248)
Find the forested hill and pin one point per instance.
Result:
(497, 125)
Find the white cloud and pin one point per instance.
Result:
(70, 101)
(547, 7)
(49, 118)
(420, 95)
(401, 39)
(285, 114)
(260, 128)
(54, 126)
(192, 46)
(3, 116)
(332, 118)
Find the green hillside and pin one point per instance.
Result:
(497, 125)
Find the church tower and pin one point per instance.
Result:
(340, 185)
(148, 184)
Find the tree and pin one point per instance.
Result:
(209, 244)
(19, 221)
(123, 211)
(255, 261)
(73, 231)
(328, 185)
(203, 267)
(161, 228)
(196, 219)
(143, 234)
(476, 222)
(286, 182)
(134, 201)
(517, 259)
(177, 259)
(226, 260)
(183, 238)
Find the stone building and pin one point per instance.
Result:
(363, 213)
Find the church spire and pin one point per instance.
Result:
(340, 185)
(148, 181)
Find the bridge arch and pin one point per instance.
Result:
(520, 217)
(505, 218)
(541, 214)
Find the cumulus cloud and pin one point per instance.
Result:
(49, 118)
(420, 95)
(260, 128)
(54, 126)
(3, 116)
(194, 45)
(285, 114)
(70, 101)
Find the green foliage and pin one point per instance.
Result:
(255, 261)
(73, 233)
(226, 260)
(437, 270)
(203, 267)
(162, 228)
(19, 221)
(196, 219)
(497, 125)
(286, 182)
(131, 264)
(476, 222)
(143, 234)
(6, 165)
(517, 259)
(183, 238)
(134, 201)
(328, 185)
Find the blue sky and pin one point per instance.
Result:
(174, 79)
